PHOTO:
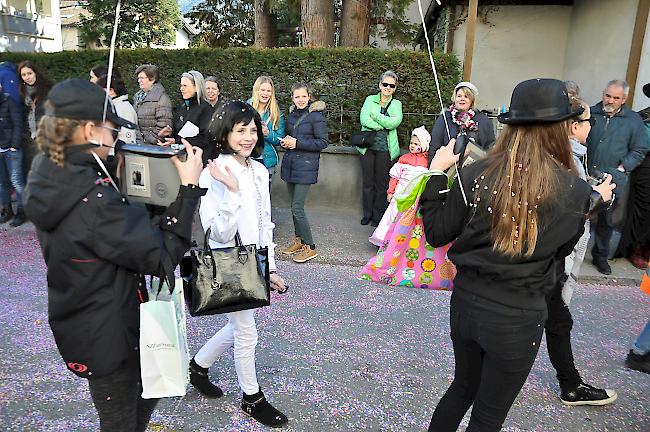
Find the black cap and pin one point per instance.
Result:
(539, 100)
(79, 99)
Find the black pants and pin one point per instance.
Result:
(494, 347)
(375, 166)
(117, 400)
(558, 339)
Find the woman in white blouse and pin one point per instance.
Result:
(237, 201)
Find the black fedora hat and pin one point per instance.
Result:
(539, 100)
(646, 90)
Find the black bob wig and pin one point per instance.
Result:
(224, 121)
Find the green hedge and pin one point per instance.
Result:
(341, 77)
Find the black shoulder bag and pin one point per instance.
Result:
(365, 139)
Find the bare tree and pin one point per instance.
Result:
(355, 23)
(317, 18)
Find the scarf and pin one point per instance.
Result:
(464, 119)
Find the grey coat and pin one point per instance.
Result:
(154, 112)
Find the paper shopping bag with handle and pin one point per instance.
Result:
(164, 354)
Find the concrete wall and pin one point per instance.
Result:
(517, 43)
(338, 187)
(641, 101)
(599, 44)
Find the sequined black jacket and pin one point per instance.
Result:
(97, 247)
(520, 282)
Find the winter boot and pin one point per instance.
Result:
(199, 379)
(294, 247)
(261, 410)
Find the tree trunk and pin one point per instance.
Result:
(266, 35)
(355, 23)
(317, 18)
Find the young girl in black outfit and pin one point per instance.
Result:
(97, 248)
(525, 211)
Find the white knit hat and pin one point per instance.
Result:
(467, 84)
(424, 136)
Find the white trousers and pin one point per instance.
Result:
(242, 333)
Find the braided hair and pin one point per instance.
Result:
(54, 134)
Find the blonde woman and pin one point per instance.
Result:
(195, 109)
(264, 101)
(462, 116)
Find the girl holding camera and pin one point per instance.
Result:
(524, 213)
(97, 247)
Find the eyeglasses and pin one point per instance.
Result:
(388, 85)
(114, 132)
(591, 120)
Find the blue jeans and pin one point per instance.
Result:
(642, 344)
(11, 174)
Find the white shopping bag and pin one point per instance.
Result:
(164, 354)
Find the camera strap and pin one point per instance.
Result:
(103, 167)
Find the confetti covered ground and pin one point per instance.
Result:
(335, 354)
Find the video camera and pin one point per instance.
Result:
(466, 141)
(148, 175)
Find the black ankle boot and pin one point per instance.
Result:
(261, 410)
(199, 379)
(6, 215)
(19, 219)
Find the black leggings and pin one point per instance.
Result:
(494, 347)
(117, 400)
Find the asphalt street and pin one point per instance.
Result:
(335, 353)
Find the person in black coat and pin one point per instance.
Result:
(11, 160)
(97, 247)
(194, 109)
(306, 136)
(462, 116)
(525, 211)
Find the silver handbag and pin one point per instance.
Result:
(225, 280)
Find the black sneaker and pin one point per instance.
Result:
(199, 379)
(261, 410)
(365, 221)
(603, 267)
(638, 362)
(585, 394)
(19, 219)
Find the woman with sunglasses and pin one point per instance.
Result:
(573, 391)
(382, 113)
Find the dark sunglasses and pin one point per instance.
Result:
(388, 85)
(591, 120)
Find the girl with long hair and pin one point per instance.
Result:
(524, 211)
(264, 101)
(34, 89)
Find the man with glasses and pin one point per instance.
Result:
(616, 145)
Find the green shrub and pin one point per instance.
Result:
(341, 77)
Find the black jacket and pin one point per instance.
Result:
(300, 165)
(11, 123)
(200, 115)
(484, 136)
(97, 247)
(516, 282)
